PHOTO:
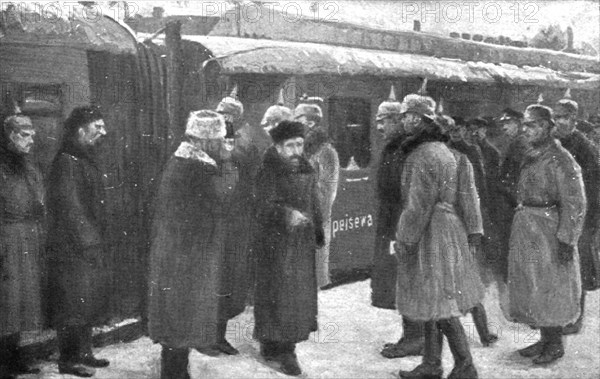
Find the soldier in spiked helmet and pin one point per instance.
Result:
(384, 275)
(324, 159)
(439, 225)
(586, 154)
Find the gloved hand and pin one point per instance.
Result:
(475, 240)
(565, 252)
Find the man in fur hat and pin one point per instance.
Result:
(384, 275)
(188, 247)
(544, 279)
(21, 236)
(275, 114)
(290, 230)
(324, 159)
(440, 223)
(77, 247)
(586, 154)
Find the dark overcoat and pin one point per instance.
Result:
(187, 251)
(21, 243)
(285, 307)
(384, 274)
(587, 155)
(79, 275)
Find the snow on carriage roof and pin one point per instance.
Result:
(262, 56)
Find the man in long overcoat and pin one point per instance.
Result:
(587, 155)
(384, 274)
(324, 159)
(22, 214)
(544, 280)
(290, 230)
(238, 279)
(78, 275)
(439, 226)
(188, 247)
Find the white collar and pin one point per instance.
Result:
(187, 150)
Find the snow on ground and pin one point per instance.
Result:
(347, 345)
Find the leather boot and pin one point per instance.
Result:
(459, 346)
(17, 363)
(481, 324)
(222, 344)
(269, 350)
(69, 346)
(537, 348)
(411, 343)
(288, 359)
(553, 349)
(575, 327)
(174, 363)
(431, 368)
(86, 356)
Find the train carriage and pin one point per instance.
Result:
(353, 82)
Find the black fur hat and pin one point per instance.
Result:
(286, 130)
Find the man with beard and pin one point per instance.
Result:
(188, 248)
(290, 230)
(586, 154)
(544, 280)
(78, 274)
(384, 275)
(440, 223)
(22, 214)
(324, 159)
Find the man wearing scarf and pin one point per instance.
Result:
(324, 159)
(544, 280)
(290, 230)
(22, 214)
(439, 227)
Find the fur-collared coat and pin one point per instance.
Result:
(285, 303)
(79, 275)
(543, 291)
(440, 208)
(21, 243)
(587, 155)
(187, 253)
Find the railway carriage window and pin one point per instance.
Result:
(349, 123)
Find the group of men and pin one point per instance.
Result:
(59, 230)
(456, 214)
(241, 206)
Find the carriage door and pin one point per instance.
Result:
(352, 222)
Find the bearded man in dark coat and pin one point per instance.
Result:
(22, 214)
(290, 230)
(384, 274)
(78, 274)
(587, 155)
(188, 249)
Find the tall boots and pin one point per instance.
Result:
(481, 324)
(12, 362)
(284, 353)
(222, 344)
(548, 349)
(75, 347)
(576, 326)
(411, 343)
(431, 368)
(459, 346)
(174, 363)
